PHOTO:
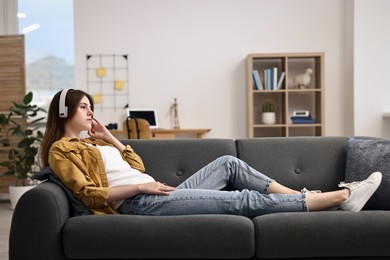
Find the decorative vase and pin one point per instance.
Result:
(268, 118)
(15, 192)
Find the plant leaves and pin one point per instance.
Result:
(21, 159)
(26, 143)
(28, 98)
(3, 119)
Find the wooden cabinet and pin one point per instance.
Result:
(289, 97)
(12, 84)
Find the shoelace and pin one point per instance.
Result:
(304, 190)
(351, 185)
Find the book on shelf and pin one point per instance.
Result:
(256, 79)
(274, 78)
(280, 81)
(271, 79)
(302, 120)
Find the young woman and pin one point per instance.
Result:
(108, 177)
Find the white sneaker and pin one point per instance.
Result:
(361, 192)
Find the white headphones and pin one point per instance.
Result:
(63, 109)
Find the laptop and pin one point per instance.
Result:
(146, 113)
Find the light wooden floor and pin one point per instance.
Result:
(5, 223)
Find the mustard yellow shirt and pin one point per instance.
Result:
(81, 168)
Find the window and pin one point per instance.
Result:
(49, 46)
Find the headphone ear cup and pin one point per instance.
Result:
(63, 109)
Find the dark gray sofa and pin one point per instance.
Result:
(43, 226)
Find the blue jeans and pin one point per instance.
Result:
(202, 194)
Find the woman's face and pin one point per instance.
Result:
(82, 119)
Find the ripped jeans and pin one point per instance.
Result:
(202, 194)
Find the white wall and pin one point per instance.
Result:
(348, 68)
(195, 50)
(8, 20)
(372, 65)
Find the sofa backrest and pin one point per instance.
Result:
(297, 162)
(173, 161)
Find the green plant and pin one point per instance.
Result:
(268, 106)
(21, 138)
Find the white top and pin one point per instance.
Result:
(119, 172)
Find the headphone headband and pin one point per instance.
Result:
(63, 109)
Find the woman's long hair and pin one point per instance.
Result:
(55, 126)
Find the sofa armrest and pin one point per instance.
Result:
(37, 223)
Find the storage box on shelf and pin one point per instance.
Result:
(293, 81)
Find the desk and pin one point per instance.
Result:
(161, 133)
(173, 133)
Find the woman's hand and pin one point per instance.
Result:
(99, 131)
(127, 191)
(155, 188)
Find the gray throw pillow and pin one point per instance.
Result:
(365, 156)
(78, 208)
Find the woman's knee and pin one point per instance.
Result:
(228, 159)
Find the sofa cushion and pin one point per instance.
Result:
(297, 162)
(167, 237)
(365, 156)
(324, 234)
(173, 161)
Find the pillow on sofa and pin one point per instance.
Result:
(78, 208)
(365, 156)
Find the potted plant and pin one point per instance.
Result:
(19, 135)
(268, 116)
